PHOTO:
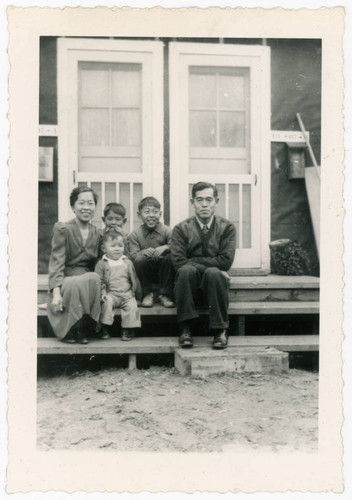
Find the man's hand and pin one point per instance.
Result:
(148, 252)
(159, 251)
(104, 297)
(56, 304)
(227, 276)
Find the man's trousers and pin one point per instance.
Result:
(214, 288)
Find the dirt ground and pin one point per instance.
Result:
(157, 409)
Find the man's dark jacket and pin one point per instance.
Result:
(216, 249)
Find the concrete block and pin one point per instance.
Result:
(205, 361)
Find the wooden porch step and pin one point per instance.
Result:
(250, 288)
(235, 308)
(157, 345)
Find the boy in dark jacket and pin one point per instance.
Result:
(149, 248)
(202, 251)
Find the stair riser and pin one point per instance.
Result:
(233, 362)
(262, 295)
(250, 295)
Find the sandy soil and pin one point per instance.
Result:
(159, 410)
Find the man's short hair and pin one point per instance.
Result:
(112, 234)
(148, 201)
(116, 208)
(200, 186)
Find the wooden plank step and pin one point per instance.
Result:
(166, 345)
(244, 282)
(283, 307)
(203, 362)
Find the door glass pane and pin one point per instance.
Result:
(126, 86)
(137, 196)
(231, 92)
(124, 199)
(232, 129)
(126, 127)
(202, 128)
(234, 212)
(202, 90)
(110, 192)
(221, 204)
(94, 127)
(246, 215)
(96, 186)
(94, 88)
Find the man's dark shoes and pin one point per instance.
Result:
(220, 340)
(185, 338)
(81, 337)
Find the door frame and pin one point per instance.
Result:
(72, 50)
(194, 53)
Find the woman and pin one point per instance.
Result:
(74, 290)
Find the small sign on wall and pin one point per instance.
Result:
(46, 164)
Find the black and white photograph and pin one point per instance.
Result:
(178, 258)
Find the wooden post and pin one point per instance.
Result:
(132, 361)
(241, 324)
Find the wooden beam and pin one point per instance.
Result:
(298, 307)
(157, 345)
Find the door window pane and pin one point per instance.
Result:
(246, 216)
(234, 205)
(221, 210)
(137, 196)
(126, 127)
(95, 127)
(110, 117)
(202, 90)
(96, 186)
(94, 88)
(232, 129)
(231, 92)
(126, 86)
(110, 192)
(202, 128)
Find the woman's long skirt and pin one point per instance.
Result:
(80, 296)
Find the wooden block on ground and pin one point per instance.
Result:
(203, 362)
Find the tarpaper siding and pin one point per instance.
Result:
(295, 87)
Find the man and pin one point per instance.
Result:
(202, 251)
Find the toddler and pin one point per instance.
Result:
(118, 286)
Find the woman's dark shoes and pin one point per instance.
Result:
(185, 337)
(127, 334)
(220, 340)
(81, 337)
(70, 338)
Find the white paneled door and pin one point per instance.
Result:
(219, 133)
(110, 121)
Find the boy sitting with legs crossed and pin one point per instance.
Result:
(118, 286)
(149, 248)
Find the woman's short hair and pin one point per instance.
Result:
(82, 189)
(203, 185)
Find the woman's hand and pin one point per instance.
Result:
(56, 304)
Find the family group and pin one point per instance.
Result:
(92, 271)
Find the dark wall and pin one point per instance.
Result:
(48, 191)
(295, 87)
